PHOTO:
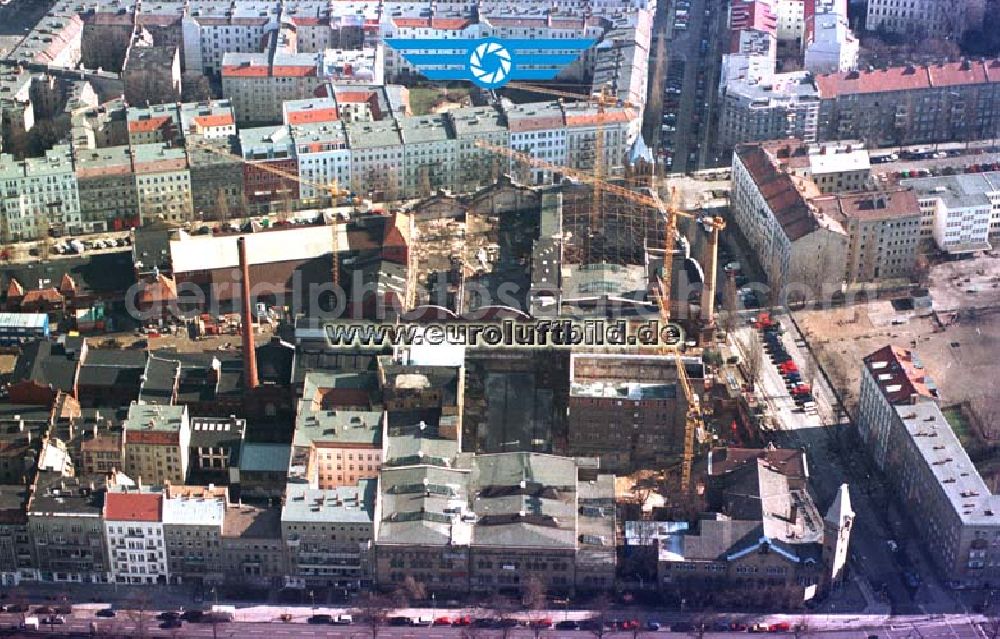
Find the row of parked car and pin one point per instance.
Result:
(771, 332)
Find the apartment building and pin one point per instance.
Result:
(538, 130)
(429, 154)
(107, 188)
(762, 539)
(961, 213)
(786, 105)
(328, 534)
(16, 549)
(911, 104)
(773, 208)
(133, 527)
(192, 535)
(151, 74)
(475, 166)
(162, 182)
(317, 110)
(627, 410)
(270, 147)
(377, 158)
(926, 18)
(258, 83)
(101, 452)
(215, 448)
(17, 113)
(253, 552)
(584, 122)
(456, 522)
(153, 124)
(157, 443)
(900, 419)
(56, 40)
(790, 22)
(334, 446)
(210, 30)
(324, 158)
(39, 194)
(216, 177)
(830, 45)
(890, 376)
(883, 228)
(66, 529)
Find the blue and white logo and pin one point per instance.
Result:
(490, 62)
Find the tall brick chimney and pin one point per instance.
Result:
(249, 349)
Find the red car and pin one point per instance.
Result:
(629, 624)
(788, 367)
(540, 623)
(462, 621)
(781, 626)
(442, 621)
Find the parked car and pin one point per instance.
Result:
(53, 620)
(399, 621)
(569, 624)
(540, 623)
(172, 623)
(442, 621)
(343, 620)
(462, 621)
(653, 626)
(780, 626)
(107, 613)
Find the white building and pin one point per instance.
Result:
(211, 29)
(376, 157)
(831, 46)
(785, 106)
(133, 527)
(791, 19)
(39, 194)
(806, 249)
(429, 152)
(538, 130)
(960, 212)
(323, 155)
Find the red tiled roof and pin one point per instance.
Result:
(245, 71)
(781, 190)
(353, 96)
(899, 375)
(594, 118)
(132, 506)
(154, 437)
(221, 119)
(447, 24)
(49, 295)
(286, 71)
(312, 115)
(147, 126)
(908, 78)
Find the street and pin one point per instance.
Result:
(875, 567)
(921, 627)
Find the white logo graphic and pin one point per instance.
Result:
(490, 63)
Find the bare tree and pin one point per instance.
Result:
(730, 303)
(221, 206)
(776, 283)
(138, 612)
(195, 88)
(752, 356)
(373, 611)
(985, 406)
(147, 87)
(409, 591)
(533, 594)
(597, 624)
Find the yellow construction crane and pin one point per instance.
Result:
(333, 189)
(662, 291)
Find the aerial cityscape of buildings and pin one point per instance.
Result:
(703, 327)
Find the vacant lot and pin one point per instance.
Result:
(959, 343)
(425, 100)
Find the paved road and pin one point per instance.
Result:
(937, 630)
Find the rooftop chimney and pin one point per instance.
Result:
(249, 351)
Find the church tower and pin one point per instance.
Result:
(837, 527)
